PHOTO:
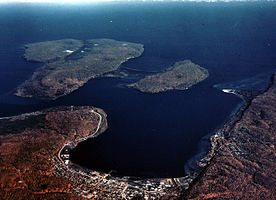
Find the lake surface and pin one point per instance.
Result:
(149, 135)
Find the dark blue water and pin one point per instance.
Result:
(150, 135)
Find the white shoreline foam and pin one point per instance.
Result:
(98, 1)
(68, 51)
(230, 91)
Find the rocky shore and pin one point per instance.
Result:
(180, 76)
(241, 163)
(68, 64)
(34, 158)
(29, 145)
(35, 164)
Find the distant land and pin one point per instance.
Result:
(69, 63)
(34, 158)
(180, 76)
(91, 1)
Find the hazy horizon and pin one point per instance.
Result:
(97, 1)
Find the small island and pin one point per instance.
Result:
(180, 76)
(35, 163)
(69, 63)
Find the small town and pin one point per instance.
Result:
(92, 184)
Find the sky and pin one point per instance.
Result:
(80, 1)
(52, 1)
(75, 1)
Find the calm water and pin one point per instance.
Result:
(150, 135)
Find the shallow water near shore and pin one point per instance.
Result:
(149, 135)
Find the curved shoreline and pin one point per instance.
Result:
(82, 138)
(68, 64)
(228, 149)
(161, 187)
(216, 140)
(31, 144)
(180, 76)
(47, 147)
(124, 187)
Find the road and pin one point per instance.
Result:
(84, 138)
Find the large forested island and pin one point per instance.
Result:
(33, 158)
(69, 63)
(34, 147)
(180, 76)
